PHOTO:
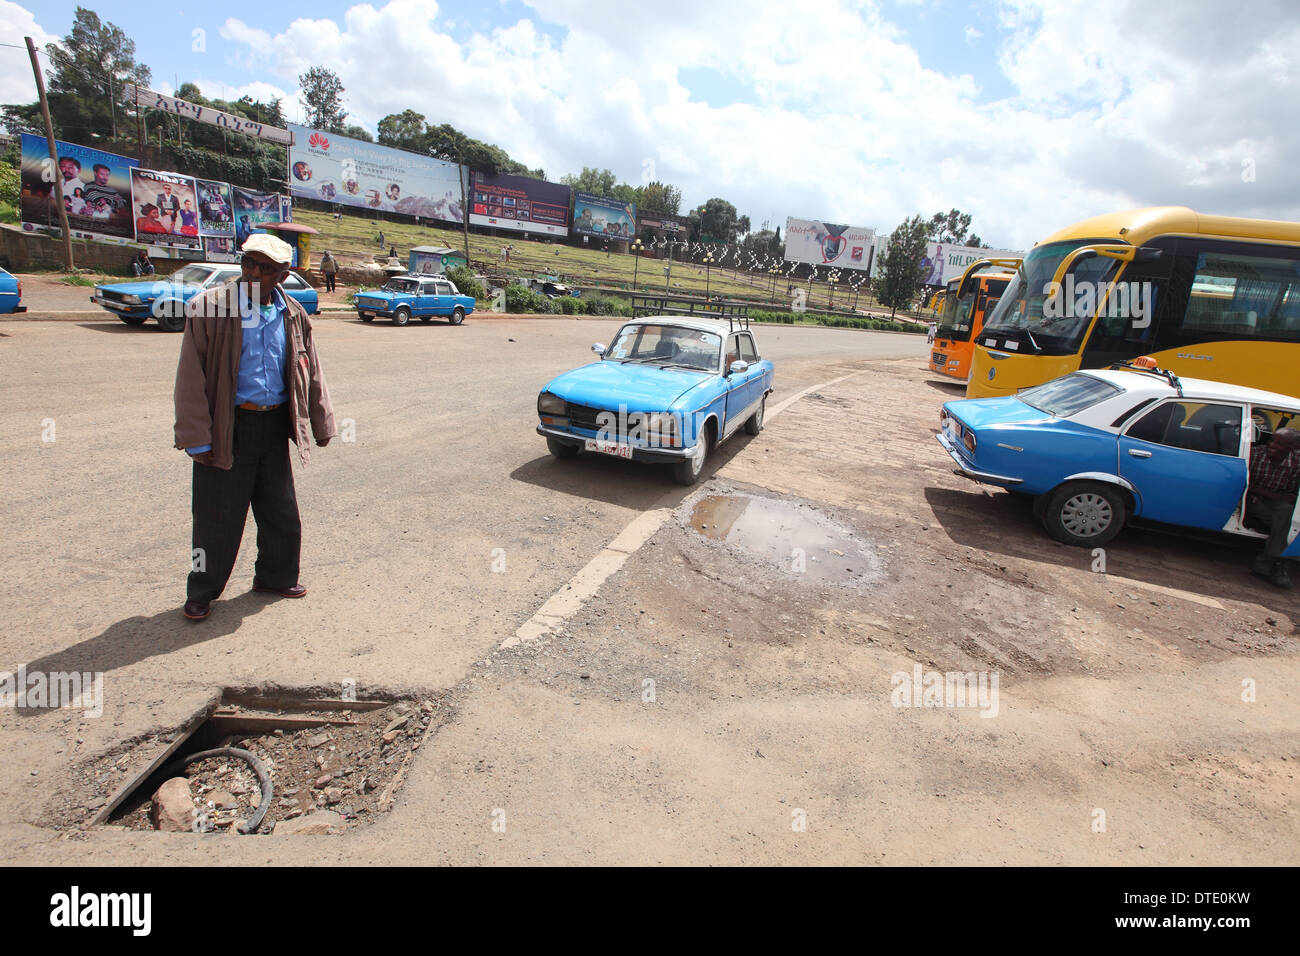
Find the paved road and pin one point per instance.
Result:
(400, 525)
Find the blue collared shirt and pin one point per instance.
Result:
(262, 355)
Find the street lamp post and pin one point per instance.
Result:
(667, 272)
(636, 251)
(708, 262)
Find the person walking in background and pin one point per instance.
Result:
(380, 239)
(248, 382)
(328, 269)
(933, 330)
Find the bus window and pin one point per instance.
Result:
(1235, 295)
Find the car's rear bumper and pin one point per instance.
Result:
(966, 471)
(638, 453)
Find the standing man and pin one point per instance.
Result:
(328, 268)
(248, 381)
(1270, 498)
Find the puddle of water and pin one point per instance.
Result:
(792, 536)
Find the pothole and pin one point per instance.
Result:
(790, 535)
(331, 764)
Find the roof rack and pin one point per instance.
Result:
(1164, 373)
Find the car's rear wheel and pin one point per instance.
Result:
(1086, 514)
(457, 316)
(402, 316)
(688, 470)
(171, 316)
(755, 423)
(133, 319)
(561, 449)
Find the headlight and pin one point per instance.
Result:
(548, 404)
(132, 299)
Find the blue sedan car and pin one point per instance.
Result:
(1097, 447)
(421, 296)
(666, 390)
(164, 298)
(11, 294)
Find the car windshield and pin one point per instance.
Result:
(191, 275)
(1063, 397)
(402, 285)
(666, 345)
(1018, 317)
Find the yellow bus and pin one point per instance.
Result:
(1214, 297)
(968, 301)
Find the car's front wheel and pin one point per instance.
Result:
(171, 316)
(1086, 514)
(688, 470)
(402, 316)
(457, 316)
(561, 449)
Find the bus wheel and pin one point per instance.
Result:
(1086, 514)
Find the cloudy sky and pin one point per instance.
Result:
(1030, 114)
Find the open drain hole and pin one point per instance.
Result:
(331, 763)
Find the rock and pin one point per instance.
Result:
(96, 803)
(399, 722)
(172, 806)
(333, 795)
(391, 736)
(318, 822)
(319, 740)
(322, 781)
(223, 800)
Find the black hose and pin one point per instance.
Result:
(263, 778)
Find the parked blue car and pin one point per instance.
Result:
(1097, 447)
(11, 294)
(666, 390)
(422, 296)
(164, 298)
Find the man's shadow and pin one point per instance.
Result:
(136, 639)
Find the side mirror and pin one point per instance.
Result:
(737, 366)
(599, 349)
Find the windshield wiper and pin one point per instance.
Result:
(1030, 335)
(693, 368)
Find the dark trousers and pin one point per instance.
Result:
(329, 281)
(262, 476)
(1276, 513)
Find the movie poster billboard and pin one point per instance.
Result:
(661, 222)
(166, 209)
(334, 168)
(252, 211)
(520, 204)
(216, 208)
(828, 244)
(96, 190)
(220, 249)
(603, 218)
(944, 262)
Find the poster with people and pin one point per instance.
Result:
(216, 208)
(220, 249)
(96, 190)
(603, 218)
(252, 210)
(166, 209)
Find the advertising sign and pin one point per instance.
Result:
(220, 249)
(335, 168)
(252, 211)
(520, 203)
(657, 221)
(216, 208)
(828, 244)
(206, 114)
(944, 262)
(166, 209)
(96, 190)
(603, 218)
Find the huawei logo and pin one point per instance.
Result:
(319, 141)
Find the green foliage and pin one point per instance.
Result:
(719, 221)
(358, 132)
(605, 305)
(322, 99)
(953, 226)
(659, 197)
(404, 130)
(90, 79)
(9, 183)
(466, 283)
(522, 299)
(598, 182)
(900, 265)
(835, 321)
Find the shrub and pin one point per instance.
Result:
(522, 299)
(466, 283)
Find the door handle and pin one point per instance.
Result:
(1139, 453)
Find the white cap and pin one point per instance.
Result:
(277, 250)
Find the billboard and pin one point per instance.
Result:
(335, 168)
(828, 244)
(96, 189)
(252, 211)
(944, 262)
(519, 203)
(603, 218)
(216, 208)
(166, 209)
(220, 249)
(656, 221)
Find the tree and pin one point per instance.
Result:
(404, 130)
(953, 227)
(720, 222)
(322, 99)
(353, 131)
(598, 182)
(900, 264)
(661, 198)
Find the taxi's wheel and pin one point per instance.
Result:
(402, 316)
(171, 316)
(755, 423)
(688, 470)
(1086, 514)
(561, 449)
(457, 316)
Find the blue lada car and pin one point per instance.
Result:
(1098, 447)
(423, 296)
(164, 298)
(666, 390)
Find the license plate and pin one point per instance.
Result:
(617, 449)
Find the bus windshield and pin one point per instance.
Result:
(1018, 322)
(956, 321)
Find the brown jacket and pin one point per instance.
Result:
(208, 374)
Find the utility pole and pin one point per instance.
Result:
(54, 156)
(139, 123)
(462, 174)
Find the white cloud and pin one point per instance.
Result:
(971, 34)
(17, 85)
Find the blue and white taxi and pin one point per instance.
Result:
(1100, 446)
(668, 389)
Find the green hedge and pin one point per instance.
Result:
(835, 321)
